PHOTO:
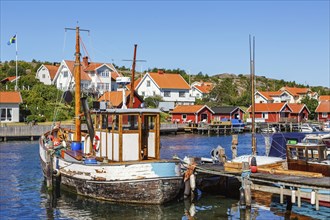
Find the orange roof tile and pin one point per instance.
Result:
(205, 87)
(267, 107)
(296, 108)
(269, 94)
(84, 75)
(10, 97)
(324, 98)
(169, 81)
(114, 97)
(323, 107)
(296, 91)
(52, 70)
(188, 108)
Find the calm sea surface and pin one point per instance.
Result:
(23, 195)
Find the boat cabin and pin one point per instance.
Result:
(125, 135)
(308, 157)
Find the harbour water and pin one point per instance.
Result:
(23, 194)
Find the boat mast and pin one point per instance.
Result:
(77, 76)
(77, 79)
(252, 69)
(131, 97)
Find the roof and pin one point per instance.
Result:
(10, 97)
(324, 98)
(189, 108)
(116, 97)
(269, 94)
(169, 80)
(323, 107)
(268, 107)
(204, 88)
(52, 70)
(296, 91)
(224, 109)
(70, 65)
(9, 78)
(297, 108)
(166, 106)
(91, 67)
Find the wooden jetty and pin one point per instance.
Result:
(281, 184)
(33, 132)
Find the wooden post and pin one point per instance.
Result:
(247, 191)
(234, 144)
(49, 170)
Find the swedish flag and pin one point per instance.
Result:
(12, 40)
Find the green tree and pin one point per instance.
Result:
(153, 101)
(311, 105)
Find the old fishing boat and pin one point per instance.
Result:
(116, 159)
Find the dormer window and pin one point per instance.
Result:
(148, 83)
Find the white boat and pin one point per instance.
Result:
(117, 159)
(307, 128)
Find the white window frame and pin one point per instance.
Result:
(324, 114)
(167, 93)
(265, 115)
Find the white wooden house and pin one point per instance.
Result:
(99, 77)
(9, 106)
(201, 89)
(171, 87)
(46, 73)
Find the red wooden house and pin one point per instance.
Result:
(192, 113)
(299, 112)
(228, 112)
(323, 111)
(271, 112)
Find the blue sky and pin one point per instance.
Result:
(292, 37)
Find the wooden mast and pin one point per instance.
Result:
(77, 77)
(131, 97)
(254, 142)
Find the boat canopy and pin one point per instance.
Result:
(280, 140)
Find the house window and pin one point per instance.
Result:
(265, 115)
(167, 94)
(324, 115)
(105, 73)
(154, 93)
(65, 74)
(184, 117)
(6, 114)
(181, 94)
(143, 93)
(148, 83)
(43, 76)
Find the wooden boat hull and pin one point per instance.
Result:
(154, 182)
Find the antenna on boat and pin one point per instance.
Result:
(252, 69)
(77, 77)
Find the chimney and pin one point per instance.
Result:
(85, 61)
(160, 72)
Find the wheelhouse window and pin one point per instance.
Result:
(130, 122)
(167, 94)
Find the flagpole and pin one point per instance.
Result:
(16, 63)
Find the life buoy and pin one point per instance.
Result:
(56, 142)
(96, 144)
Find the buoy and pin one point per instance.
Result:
(192, 180)
(293, 196)
(313, 197)
(253, 165)
(56, 142)
(96, 144)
